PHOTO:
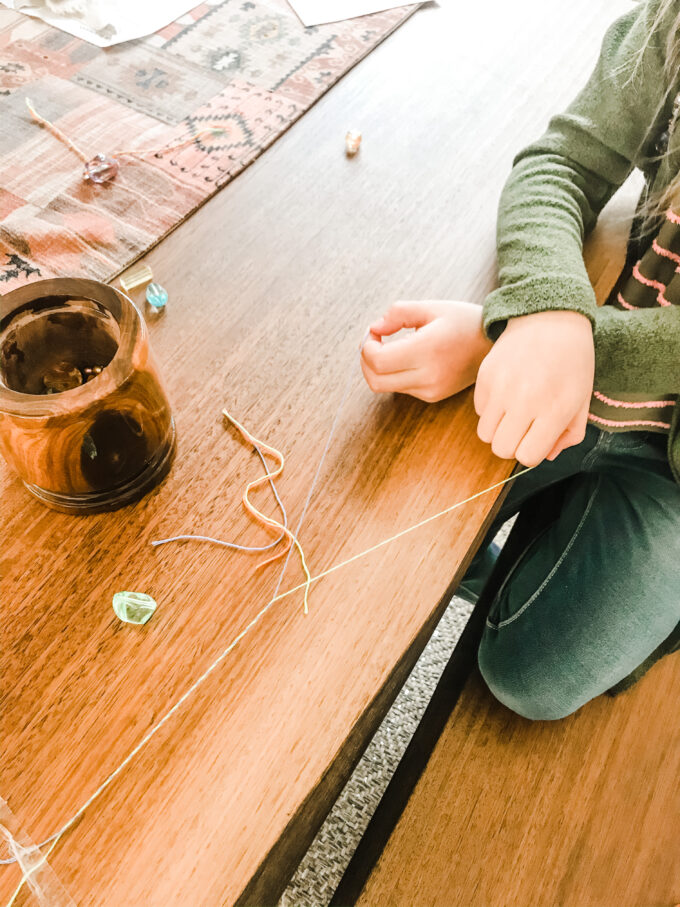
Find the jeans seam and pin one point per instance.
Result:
(555, 568)
(591, 456)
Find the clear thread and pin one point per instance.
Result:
(35, 870)
(277, 597)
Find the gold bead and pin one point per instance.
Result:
(137, 277)
(352, 142)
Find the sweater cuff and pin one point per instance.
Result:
(537, 294)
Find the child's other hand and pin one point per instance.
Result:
(440, 359)
(534, 388)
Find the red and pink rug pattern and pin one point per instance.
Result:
(248, 66)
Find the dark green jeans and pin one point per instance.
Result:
(596, 592)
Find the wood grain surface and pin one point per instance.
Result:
(271, 286)
(581, 812)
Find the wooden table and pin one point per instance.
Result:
(272, 284)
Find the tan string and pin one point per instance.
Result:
(211, 129)
(56, 132)
(393, 538)
(269, 522)
(232, 645)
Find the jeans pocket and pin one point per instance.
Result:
(539, 575)
(496, 618)
(635, 440)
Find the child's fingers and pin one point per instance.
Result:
(489, 420)
(397, 356)
(572, 435)
(538, 442)
(482, 392)
(404, 382)
(508, 435)
(566, 439)
(546, 442)
(403, 314)
(558, 448)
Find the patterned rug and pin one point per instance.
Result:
(248, 65)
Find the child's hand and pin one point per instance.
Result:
(534, 388)
(438, 360)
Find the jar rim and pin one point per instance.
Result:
(132, 328)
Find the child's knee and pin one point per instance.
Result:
(525, 683)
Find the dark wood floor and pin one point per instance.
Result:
(583, 812)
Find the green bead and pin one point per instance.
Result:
(133, 607)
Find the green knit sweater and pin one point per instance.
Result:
(559, 185)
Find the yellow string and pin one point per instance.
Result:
(399, 535)
(232, 645)
(270, 522)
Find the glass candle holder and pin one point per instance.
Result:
(84, 419)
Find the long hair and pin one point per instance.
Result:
(656, 203)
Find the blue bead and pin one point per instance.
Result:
(156, 296)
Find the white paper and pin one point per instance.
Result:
(319, 12)
(105, 22)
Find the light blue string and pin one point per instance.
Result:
(176, 538)
(336, 419)
(233, 545)
(203, 538)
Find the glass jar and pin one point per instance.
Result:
(84, 419)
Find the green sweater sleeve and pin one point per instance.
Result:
(560, 183)
(638, 351)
